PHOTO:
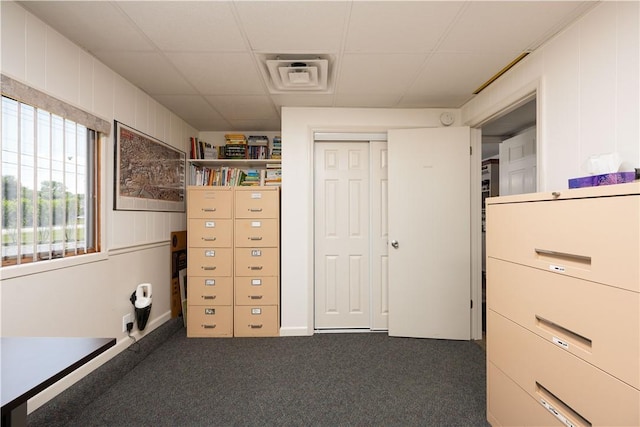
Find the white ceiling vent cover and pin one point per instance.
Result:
(302, 75)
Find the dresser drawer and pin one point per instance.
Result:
(256, 232)
(210, 290)
(256, 321)
(209, 261)
(257, 290)
(578, 390)
(584, 238)
(209, 321)
(252, 261)
(257, 203)
(210, 232)
(208, 202)
(597, 323)
(510, 405)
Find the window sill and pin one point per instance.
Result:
(39, 267)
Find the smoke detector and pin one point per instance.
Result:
(296, 73)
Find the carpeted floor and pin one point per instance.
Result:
(367, 379)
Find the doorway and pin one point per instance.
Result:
(509, 156)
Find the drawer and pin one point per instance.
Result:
(256, 232)
(209, 321)
(252, 261)
(210, 290)
(208, 202)
(579, 391)
(510, 405)
(257, 290)
(597, 323)
(257, 203)
(256, 321)
(210, 232)
(209, 261)
(592, 239)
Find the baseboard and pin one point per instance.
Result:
(295, 332)
(62, 408)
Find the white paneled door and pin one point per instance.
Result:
(429, 233)
(350, 235)
(518, 161)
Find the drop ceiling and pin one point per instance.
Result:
(205, 60)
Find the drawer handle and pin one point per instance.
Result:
(555, 194)
(255, 267)
(255, 209)
(255, 326)
(209, 239)
(209, 297)
(556, 329)
(556, 406)
(208, 209)
(209, 268)
(583, 259)
(255, 238)
(209, 326)
(255, 296)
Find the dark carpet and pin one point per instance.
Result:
(366, 379)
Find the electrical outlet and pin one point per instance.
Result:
(126, 319)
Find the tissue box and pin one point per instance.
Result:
(604, 179)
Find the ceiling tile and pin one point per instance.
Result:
(255, 125)
(505, 26)
(377, 74)
(244, 107)
(220, 73)
(77, 21)
(453, 77)
(193, 109)
(303, 100)
(367, 100)
(193, 25)
(294, 26)
(399, 27)
(147, 70)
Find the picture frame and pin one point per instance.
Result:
(149, 174)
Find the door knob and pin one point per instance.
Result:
(394, 244)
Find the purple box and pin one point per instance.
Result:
(604, 179)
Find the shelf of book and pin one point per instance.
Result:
(235, 172)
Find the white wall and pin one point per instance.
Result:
(88, 295)
(588, 86)
(298, 127)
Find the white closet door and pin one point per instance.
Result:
(518, 164)
(342, 227)
(429, 233)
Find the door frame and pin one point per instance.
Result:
(518, 98)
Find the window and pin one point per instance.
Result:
(49, 185)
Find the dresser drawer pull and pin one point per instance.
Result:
(559, 409)
(565, 336)
(255, 238)
(255, 209)
(208, 209)
(208, 268)
(209, 297)
(255, 296)
(255, 326)
(259, 267)
(209, 326)
(566, 256)
(209, 239)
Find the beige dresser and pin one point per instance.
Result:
(233, 261)
(563, 308)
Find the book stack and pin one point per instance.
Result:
(202, 150)
(258, 146)
(254, 177)
(276, 148)
(273, 175)
(235, 146)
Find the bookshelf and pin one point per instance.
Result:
(200, 171)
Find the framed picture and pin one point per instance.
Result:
(149, 174)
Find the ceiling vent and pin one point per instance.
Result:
(297, 73)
